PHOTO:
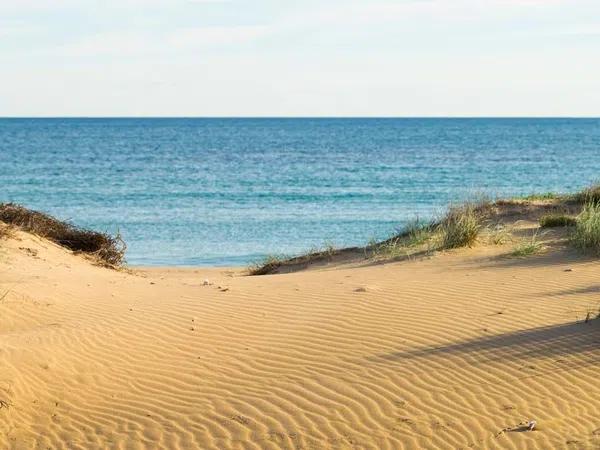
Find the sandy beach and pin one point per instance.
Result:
(300, 225)
(457, 350)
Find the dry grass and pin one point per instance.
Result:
(270, 263)
(108, 250)
(267, 265)
(6, 231)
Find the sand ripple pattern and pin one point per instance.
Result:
(453, 352)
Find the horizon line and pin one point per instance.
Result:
(298, 117)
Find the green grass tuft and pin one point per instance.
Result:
(499, 234)
(416, 233)
(460, 227)
(557, 220)
(528, 247)
(408, 240)
(590, 194)
(586, 236)
(541, 196)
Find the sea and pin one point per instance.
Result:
(229, 191)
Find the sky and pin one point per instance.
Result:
(299, 58)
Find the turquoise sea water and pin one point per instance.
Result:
(228, 191)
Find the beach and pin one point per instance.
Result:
(308, 225)
(459, 349)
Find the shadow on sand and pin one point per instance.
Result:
(550, 341)
(554, 255)
(589, 290)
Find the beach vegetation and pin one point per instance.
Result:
(460, 227)
(557, 220)
(389, 249)
(107, 250)
(463, 225)
(329, 249)
(413, 237)
(266, 265)
(528, 247)
(541, 196)
(499, 234)
(6, 231)
(586, 234)
(416, 233)
(590, 194)
(413, 234)
(270, 263)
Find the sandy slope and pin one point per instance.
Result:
(440, 353)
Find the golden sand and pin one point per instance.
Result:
(456, 351)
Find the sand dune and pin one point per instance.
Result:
(455, 351)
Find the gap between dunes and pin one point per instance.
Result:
(455, 350)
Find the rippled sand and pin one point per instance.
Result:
(456, 351)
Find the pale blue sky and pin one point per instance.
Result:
(299, 58)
